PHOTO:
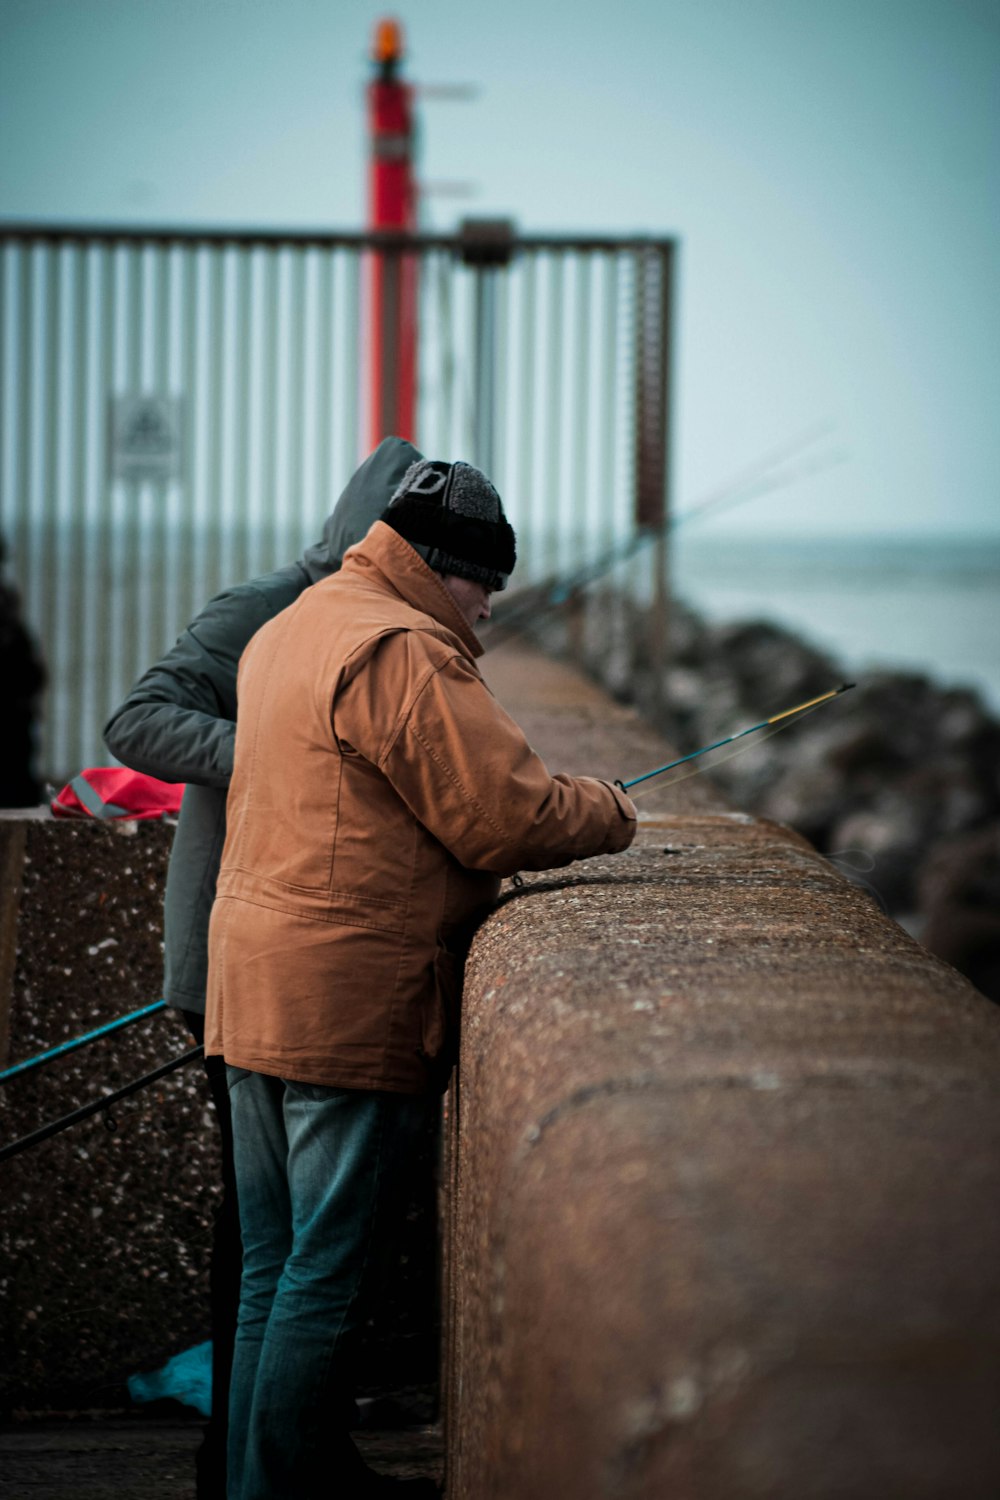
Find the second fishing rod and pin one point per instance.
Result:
(774, 470)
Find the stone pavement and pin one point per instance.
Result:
(134, 1456)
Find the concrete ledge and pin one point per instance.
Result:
(105, 1236)
(726, 1215)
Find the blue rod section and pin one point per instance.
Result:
(800, 708)
(693, 756)
(80, 1041)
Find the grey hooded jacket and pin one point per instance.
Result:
(179, 721)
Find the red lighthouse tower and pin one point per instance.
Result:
(392, 280)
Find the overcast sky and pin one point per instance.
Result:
(830, 167)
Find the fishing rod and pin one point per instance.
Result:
(79, 1041)
(736, 495)
(517, 880)
(14, 1148)
(787, 713)
(768, 472)
(758, 479)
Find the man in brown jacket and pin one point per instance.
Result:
(378, 794)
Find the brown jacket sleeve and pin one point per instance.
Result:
(469, 775)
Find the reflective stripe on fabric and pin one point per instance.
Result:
(94, 803)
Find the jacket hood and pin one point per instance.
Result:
(365, 497)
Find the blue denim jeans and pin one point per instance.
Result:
(319, 1175)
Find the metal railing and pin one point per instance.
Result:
(180, 410)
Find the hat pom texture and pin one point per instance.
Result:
(453, 517)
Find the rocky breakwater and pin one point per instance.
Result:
(898, 783)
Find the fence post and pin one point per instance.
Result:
(487, 246)
(654, 310)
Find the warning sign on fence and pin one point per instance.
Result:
(146, 437)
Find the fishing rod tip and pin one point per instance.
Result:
(845, 685)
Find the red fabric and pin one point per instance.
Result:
(116, 792)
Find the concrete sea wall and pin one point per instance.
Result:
(725, 1215)
(728, 1199)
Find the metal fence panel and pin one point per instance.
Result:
(181, 410)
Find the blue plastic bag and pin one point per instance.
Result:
(186, 1378)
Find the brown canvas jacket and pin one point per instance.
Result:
(379, 792)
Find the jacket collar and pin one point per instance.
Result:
(406, 573)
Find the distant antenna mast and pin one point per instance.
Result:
(392, 207)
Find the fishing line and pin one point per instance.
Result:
(518, 880)
(731, 755)
(796, 709)
(855, 872)
(774, 459)
(768, 473)
(840, 858)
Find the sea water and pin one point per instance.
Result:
(926, 605)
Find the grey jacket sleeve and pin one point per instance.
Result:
(179, 721)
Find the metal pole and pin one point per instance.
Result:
(392, 275)
(652, 406)
(485, 353)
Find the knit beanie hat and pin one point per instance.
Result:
(453, 517)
